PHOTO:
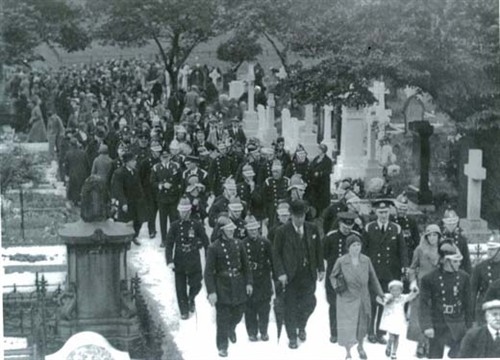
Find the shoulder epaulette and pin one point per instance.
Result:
(332, 232)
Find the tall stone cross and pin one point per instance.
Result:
(251, 89)
(476, 173)
(184, 72)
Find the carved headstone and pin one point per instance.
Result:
(94, 206)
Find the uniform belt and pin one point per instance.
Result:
(256, 266)
(451, 309)
(185, 248)
(230, 273)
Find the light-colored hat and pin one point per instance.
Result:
(194, 183)
(296, 182)
(493, 304)
(251, 223)
(235, 204)
(493, 245)
(395, 283)
(248, 170)
(226, 223)
(401, 201)
(230, 184)
(184, 205)
(432, 228)
(283, 209)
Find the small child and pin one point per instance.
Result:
(393, 318)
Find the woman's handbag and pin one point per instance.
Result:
(339, 285)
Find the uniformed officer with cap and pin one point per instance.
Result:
(221, 169)
(195, 192)
(259, 255)
(445, 307)
(265, 165)
(283, 216)
(185, 238)
(275, 190)
(298, 264)
(297, 190)
(228, 279)
(385, 246)
(408, 224)
(250, 192)
(166, 179)
(483, 275)
(191, 162)
(334, 246)
(221, 202)
(484, 341)
(453, 232)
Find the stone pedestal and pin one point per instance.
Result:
(424, 130)
(97, 297)
(352, 153)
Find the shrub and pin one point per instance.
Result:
(18, 167)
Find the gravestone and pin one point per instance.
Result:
(352, 150)
(475, 228)
(216, 76)
(327, 130)
(88, 345)
(372, 167)
(413, 110)
(250, 80)
(261, 113)
(236, 89)
(288, 130)
(96, 297)
(184, 74)
(309, 138)
(424, 130)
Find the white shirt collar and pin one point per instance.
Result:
(299, 230)
(492, 331)
(382, 226)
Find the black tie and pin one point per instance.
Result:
(383, 229)
(497, 336)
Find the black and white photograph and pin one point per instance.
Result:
(250, 179)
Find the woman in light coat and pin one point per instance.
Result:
(353, 305)
(425, 259)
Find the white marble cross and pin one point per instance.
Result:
(476, 173)
(215, 76)
(184, 73)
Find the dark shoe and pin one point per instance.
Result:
(223, 353)
(253, 338)
(192, 306)
(162, 245)
(333, 339)
(184, 316)
(421, 351)
(264, 337)
(372, 339)
(302, 335)
(293, 344)
(135, 241)
(232, 337)
(362, 354)
(381, 340)
(152, 235)
(394, 357)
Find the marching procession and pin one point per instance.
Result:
(258, 225)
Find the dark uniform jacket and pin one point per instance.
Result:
(330, 215)
(461, 243)
(334, 246)
(298, 168)
(227, 272)
(263, 170)
(409, 228)
(184, 240)
(220, 169)
(445, 302)
(145, 163)
(478, 343)
(274, 191)
(483, 275)
(126, 189)
(170, 173)
(252, 198)
(259, 255)
(219, 205)
(318, 191)
(289, 250)
(387, 251)
(239, 233)
(198, 207)
(200, 173)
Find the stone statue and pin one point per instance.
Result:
(94, 206)
(67, 302)
(128, 308)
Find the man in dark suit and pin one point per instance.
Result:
(298, 263)
(126, 193)
(236, 132)
(385, 246)
(228, 279)
(484, 341)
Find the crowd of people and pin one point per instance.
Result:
(190, 161)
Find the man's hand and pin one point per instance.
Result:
(283, 279)
(125, 208)
(171, 266)
(212, 299)
(429, 333)
(249, 290)
(321, 275)
(414, 286)
(167, 185)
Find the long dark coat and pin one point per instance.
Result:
(318, 190)
(354, 305)
(77, 169)
(478, 343)
(126, 189)
(483, 275)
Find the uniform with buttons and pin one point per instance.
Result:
(445, 307)
(220, 169)
(184, 240)
(410, 233)
(259, 304)
(483, 274)
(274, 191)
(461, 243)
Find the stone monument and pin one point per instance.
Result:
(308, 137)
(327, 131)
(424, 130)
(96, 296)
(475, 228)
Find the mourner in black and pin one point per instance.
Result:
(298, 263)
(221, 203)
(185, 238)
(445, 308)
(483, 275)
(330, 214)
(228, 280)
(385, 246)
(484, 341)
(334, 246)
(221, 169)
(259, 255)
(127, 195)
(166, 179)
(452, 231)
